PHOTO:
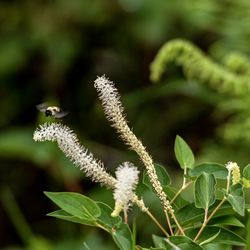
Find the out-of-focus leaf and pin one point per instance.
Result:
(246, 172)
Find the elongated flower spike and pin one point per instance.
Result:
(127, 179)
(69, 144)
(113, 109)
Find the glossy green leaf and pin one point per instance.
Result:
(224, 237)
(105, 219)
(191, 214)
(183, 153)
(75, 204)
(205, 191)
(123, 237)
(61, 214)
(236, 198)
(175, 242)
(246, 172)
(210, 239)
(162, 174)
(219, 171)
(227, 221)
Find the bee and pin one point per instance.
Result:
(52, 111)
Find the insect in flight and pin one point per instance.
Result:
(52, 111)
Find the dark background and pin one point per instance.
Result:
(52, 51)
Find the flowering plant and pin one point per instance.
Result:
(198, 223)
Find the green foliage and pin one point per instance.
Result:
(236, 198)
(205, 191)
(175, 242)
(246, 171)
(183, 153)
(47, 52)
(200, 231)
(81, 209)
(162, 175)
(223, 236)
(219, 171)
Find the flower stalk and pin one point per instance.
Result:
(113, 109)
(93, 168)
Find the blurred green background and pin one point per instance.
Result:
(52, 51)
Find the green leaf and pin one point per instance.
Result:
(205, 191)
(75, 204)
(227, 221)
(183, 153)
(105, 219)
(61, 214)
(246, 172)
(179, 202)
(236, 198)
(123, 237)
(175, 242)
(184, 243)
(151, 248)
(190, 214)
(210, 239)
(219, 171)
(162, 174)
(224, 237)
(158, 241)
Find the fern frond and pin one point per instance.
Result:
(196, 65)
(238, 63)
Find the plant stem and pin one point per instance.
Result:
(125, 215)
(144, 209)
(209, 218)
(169, 223)
(177, 223)
(157, 223)
(184, 186)
(100, 226)
(216, 209)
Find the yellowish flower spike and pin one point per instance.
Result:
(235, 172)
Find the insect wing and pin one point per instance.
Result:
(60, 114)
(42, 107)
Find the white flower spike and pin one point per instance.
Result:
(69, 144)
(127, 180)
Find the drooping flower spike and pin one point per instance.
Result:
(69, 144)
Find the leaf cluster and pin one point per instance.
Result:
(207, 219)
